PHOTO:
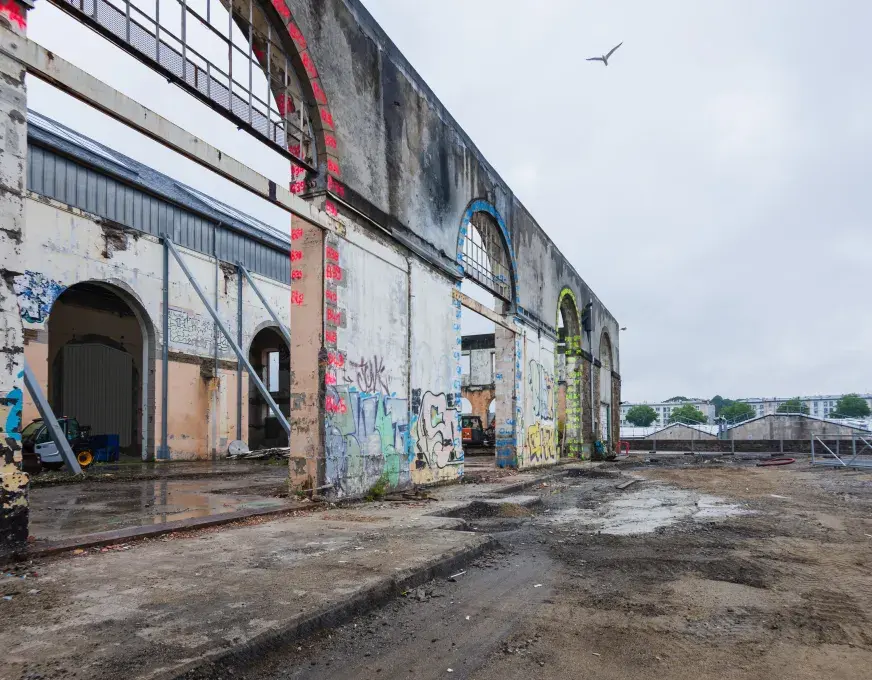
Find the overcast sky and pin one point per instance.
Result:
(708, 184)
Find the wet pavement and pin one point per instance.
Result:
(63, 511)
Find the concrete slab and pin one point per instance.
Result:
(62, 512)
(156, 607)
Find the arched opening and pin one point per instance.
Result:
(569, 375)
(605, 389)
(101, 365)
(465, 407)
(270, 356)
(488, 348)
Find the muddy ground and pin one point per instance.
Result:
(696, 571)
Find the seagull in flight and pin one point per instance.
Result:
(605, 58)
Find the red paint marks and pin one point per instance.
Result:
(331, 295)
(296, 275)
(295, 149)
(296, 297)
(330, 141)
(333, 166)
(327, 117)
(12, 9)
(334, 272)
(334, 317)
(296, 34)
(331, 336)
(335, 186)
(331, 208)
(297, 170)
(320, 97)
(335, 405)
(309, 65)
(282, 8)
(259, 53)
(329, 379)
(298, 187)
(336, 359)
(285, 104)
(296, 234)
(296, 255)
(332, 254)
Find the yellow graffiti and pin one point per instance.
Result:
(541, 443)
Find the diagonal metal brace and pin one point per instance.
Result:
(264, 392)
(48, 417)
(284, 329)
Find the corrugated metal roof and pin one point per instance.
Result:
(50, 133)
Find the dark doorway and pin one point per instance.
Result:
(270, 357)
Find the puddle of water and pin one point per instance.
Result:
(646, 510)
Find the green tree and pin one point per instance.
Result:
(641, 415)
(676, 399)
(794, 405)
(851, 406)
(737, 411)
(687, 413)
(720, 403)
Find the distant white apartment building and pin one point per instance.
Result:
(665, 408)
(820, 405)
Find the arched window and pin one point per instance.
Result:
(230, 56)
(484, 255)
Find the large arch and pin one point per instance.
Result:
(93, 326)
(486, 258)
(295, 119)
(570, 374)
(270, 356)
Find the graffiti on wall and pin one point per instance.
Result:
(541, 384)
(36, 294)
(368, 374)
(367, 438)
(541, 443)
(435, 431)
(195, 331)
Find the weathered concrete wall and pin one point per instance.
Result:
(406, 162)
(539, 390)
(680, 432)
(13, 159)
(782, 426)
(202, 409)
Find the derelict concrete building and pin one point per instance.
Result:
(338, 330)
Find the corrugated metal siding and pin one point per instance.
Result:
(98, 389)
(64, 180)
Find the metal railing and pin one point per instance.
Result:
(855, 456)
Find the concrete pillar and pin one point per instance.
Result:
(508, 408)
(314, 356)
(13, 176)
(587, 405)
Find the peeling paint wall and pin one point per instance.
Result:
(202, 400)
(539, 387)
(13, 158)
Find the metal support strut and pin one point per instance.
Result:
(48, 417)
(264, 392)
(284, 329)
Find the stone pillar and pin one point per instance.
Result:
(574, 390)
(508, 409)
(616, 412)
(13, 176)
(309, 360)
(587, 406)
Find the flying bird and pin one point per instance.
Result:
(605, 58)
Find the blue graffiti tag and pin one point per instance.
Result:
(36, 294)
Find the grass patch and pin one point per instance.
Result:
(378, 490)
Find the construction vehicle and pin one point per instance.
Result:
(39, 451)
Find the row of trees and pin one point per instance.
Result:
(849, 406)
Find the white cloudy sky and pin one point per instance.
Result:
(708, 184)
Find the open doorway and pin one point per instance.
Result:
(569, 376)
(487, 361)
(271, 358)
(100, 359)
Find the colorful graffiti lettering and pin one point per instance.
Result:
(36, 294)
(367, 437)
(541, 444)
(435, 431)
